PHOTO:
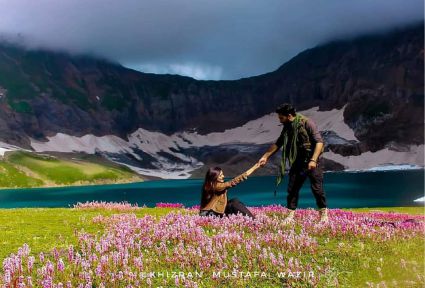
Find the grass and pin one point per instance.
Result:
(406, 210)
(355, 260)
(44, 228)
(23, 169)
(10, 176)
(358, 261)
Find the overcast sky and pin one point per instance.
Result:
(215, 39)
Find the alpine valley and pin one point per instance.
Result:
(366, 95)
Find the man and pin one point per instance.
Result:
(302, 147)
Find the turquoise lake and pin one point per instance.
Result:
(343, 190)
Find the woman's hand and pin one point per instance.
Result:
(233, 183)
(240, 178)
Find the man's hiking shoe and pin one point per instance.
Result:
(323, 215)
(290, 218)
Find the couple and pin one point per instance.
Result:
(302, 147)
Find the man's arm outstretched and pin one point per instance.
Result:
(263, 160)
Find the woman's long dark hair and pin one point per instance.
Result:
(207, 189)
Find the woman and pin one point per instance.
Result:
(214, 194)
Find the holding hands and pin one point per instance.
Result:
(262, 161)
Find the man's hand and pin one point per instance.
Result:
(312, 165)
(262, 161)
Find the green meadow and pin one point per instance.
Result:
(354, 260)
(45, 228)
(25, 170)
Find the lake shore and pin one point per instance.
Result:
(147, 178)
(343, 190)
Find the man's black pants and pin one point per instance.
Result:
(297, 176)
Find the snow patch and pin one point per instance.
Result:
(332, 120)
(394, 167)
(164, 174)
(4, 147)
(263, 130)
(383, 158)
(88, 144)
(3, 150)
(260, 131)
(422, 199)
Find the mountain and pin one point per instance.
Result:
(173, 126)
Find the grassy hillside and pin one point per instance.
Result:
(351, 252)
(24, 169)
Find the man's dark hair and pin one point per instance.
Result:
(286, 109)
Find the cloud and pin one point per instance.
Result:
(202, 38)
(197, 71)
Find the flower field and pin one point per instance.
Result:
(130, 246)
